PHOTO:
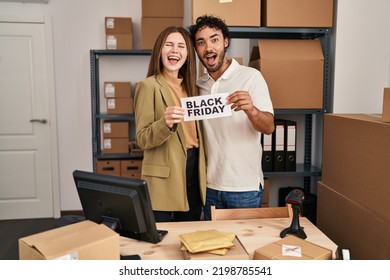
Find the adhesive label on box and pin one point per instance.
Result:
(292, 251)
(107, 144)
(107, 128)
(111, 42)
(109, 90)
(70, 256)
(110, 23)
(111, 103)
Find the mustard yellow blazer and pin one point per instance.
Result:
(165, 152)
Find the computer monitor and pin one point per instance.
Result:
(122, 204)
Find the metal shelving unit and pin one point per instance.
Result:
(97, 116)
(305, 170)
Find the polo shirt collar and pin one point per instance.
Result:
(227, 74)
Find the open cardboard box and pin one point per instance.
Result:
(292, 248)
(84, 240)
(293, 70)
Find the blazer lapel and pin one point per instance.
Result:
(168, 100)
(165, 91)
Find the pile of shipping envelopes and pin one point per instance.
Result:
(212, 244)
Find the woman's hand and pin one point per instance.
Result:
(172, 115)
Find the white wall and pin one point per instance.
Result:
(361, 67)
(362, 57)
(78, 26)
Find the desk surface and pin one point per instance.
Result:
(253, 234)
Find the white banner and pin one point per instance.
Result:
(206, 107)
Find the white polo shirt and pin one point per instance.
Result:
(232, 145)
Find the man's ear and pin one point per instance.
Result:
(226, 42)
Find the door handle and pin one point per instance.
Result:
(42, 121)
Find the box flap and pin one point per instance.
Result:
(374, 118)
(255, 53)
(31, 240)
(290, 49)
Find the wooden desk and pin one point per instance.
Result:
(253, 234)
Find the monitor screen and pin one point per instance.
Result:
(122, 204)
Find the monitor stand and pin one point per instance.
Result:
(113, 224)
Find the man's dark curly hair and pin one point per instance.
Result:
(209, 21)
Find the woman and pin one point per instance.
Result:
(174, 161)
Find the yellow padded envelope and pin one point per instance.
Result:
(212, 241)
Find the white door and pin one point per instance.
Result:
(28, 142)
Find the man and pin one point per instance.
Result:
(234, 175)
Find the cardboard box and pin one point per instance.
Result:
(117, 89)
(356, 160)
(297, 13)
(119, 42)
(151, 27)
(108, 167)
(233, 12)
(118, 25)
(166, 8)
(293, 70)
(119, 105)
(83, 240)
(131, 168)
(115, 129)
(116, 146)
(292, 248)
(351, 225)
(386, 105)
(237, 252)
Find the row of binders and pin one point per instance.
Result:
(279, 148)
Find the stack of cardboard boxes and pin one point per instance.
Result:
(119, 33)
(116, 134)
(156, 16)
(353, 195)
(118, 101)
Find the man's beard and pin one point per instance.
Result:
(221, 57)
